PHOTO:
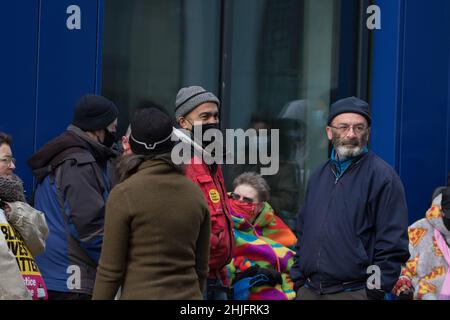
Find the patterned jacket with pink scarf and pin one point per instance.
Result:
(428, 267)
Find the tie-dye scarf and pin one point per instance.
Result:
(255, 244)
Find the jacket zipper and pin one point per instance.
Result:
(348, 169)
(335, 182)
(320, 248)
(226, 218)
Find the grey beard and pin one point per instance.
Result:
(349, 152)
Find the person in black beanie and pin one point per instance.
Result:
(352, 228)
(157, 224)
(125, 140)
(74, 174)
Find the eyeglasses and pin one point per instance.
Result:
(344, 128)
(8, 160)
(236, 196)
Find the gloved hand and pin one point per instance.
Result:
(273, 277)
(254, 276)
(403, 288)
(249, 272)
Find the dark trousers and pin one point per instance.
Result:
(308, 294)
(57, 295)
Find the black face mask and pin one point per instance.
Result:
(203, 128)
(110, 138)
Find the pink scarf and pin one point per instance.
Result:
(445, 292)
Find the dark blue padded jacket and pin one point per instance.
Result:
(73, 183)
(350, 223)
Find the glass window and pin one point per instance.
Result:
(282, 75)
(274, 64)
(152, 48)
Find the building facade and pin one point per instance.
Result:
(273, 63)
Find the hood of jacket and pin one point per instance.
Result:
(74, 140)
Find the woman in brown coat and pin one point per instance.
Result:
(157, 226)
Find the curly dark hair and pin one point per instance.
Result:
(5, 139)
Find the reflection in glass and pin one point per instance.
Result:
(152, 48)
(281, 78)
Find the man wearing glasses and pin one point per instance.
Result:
(352, 228)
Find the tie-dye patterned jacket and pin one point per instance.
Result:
(427, 267)
(266, 244)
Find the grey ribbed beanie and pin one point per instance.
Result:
(191, 97)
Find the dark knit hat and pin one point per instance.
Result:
(151, 132)
(94, 113)
(190, 98)
(350, 105)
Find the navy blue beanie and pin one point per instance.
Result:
(350, 105)
(94, 113)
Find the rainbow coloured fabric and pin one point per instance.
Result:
(265, 243)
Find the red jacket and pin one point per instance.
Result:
(222, 238)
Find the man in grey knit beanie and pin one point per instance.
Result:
(190, 98)
(196, 107)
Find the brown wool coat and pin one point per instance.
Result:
(157, 237)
